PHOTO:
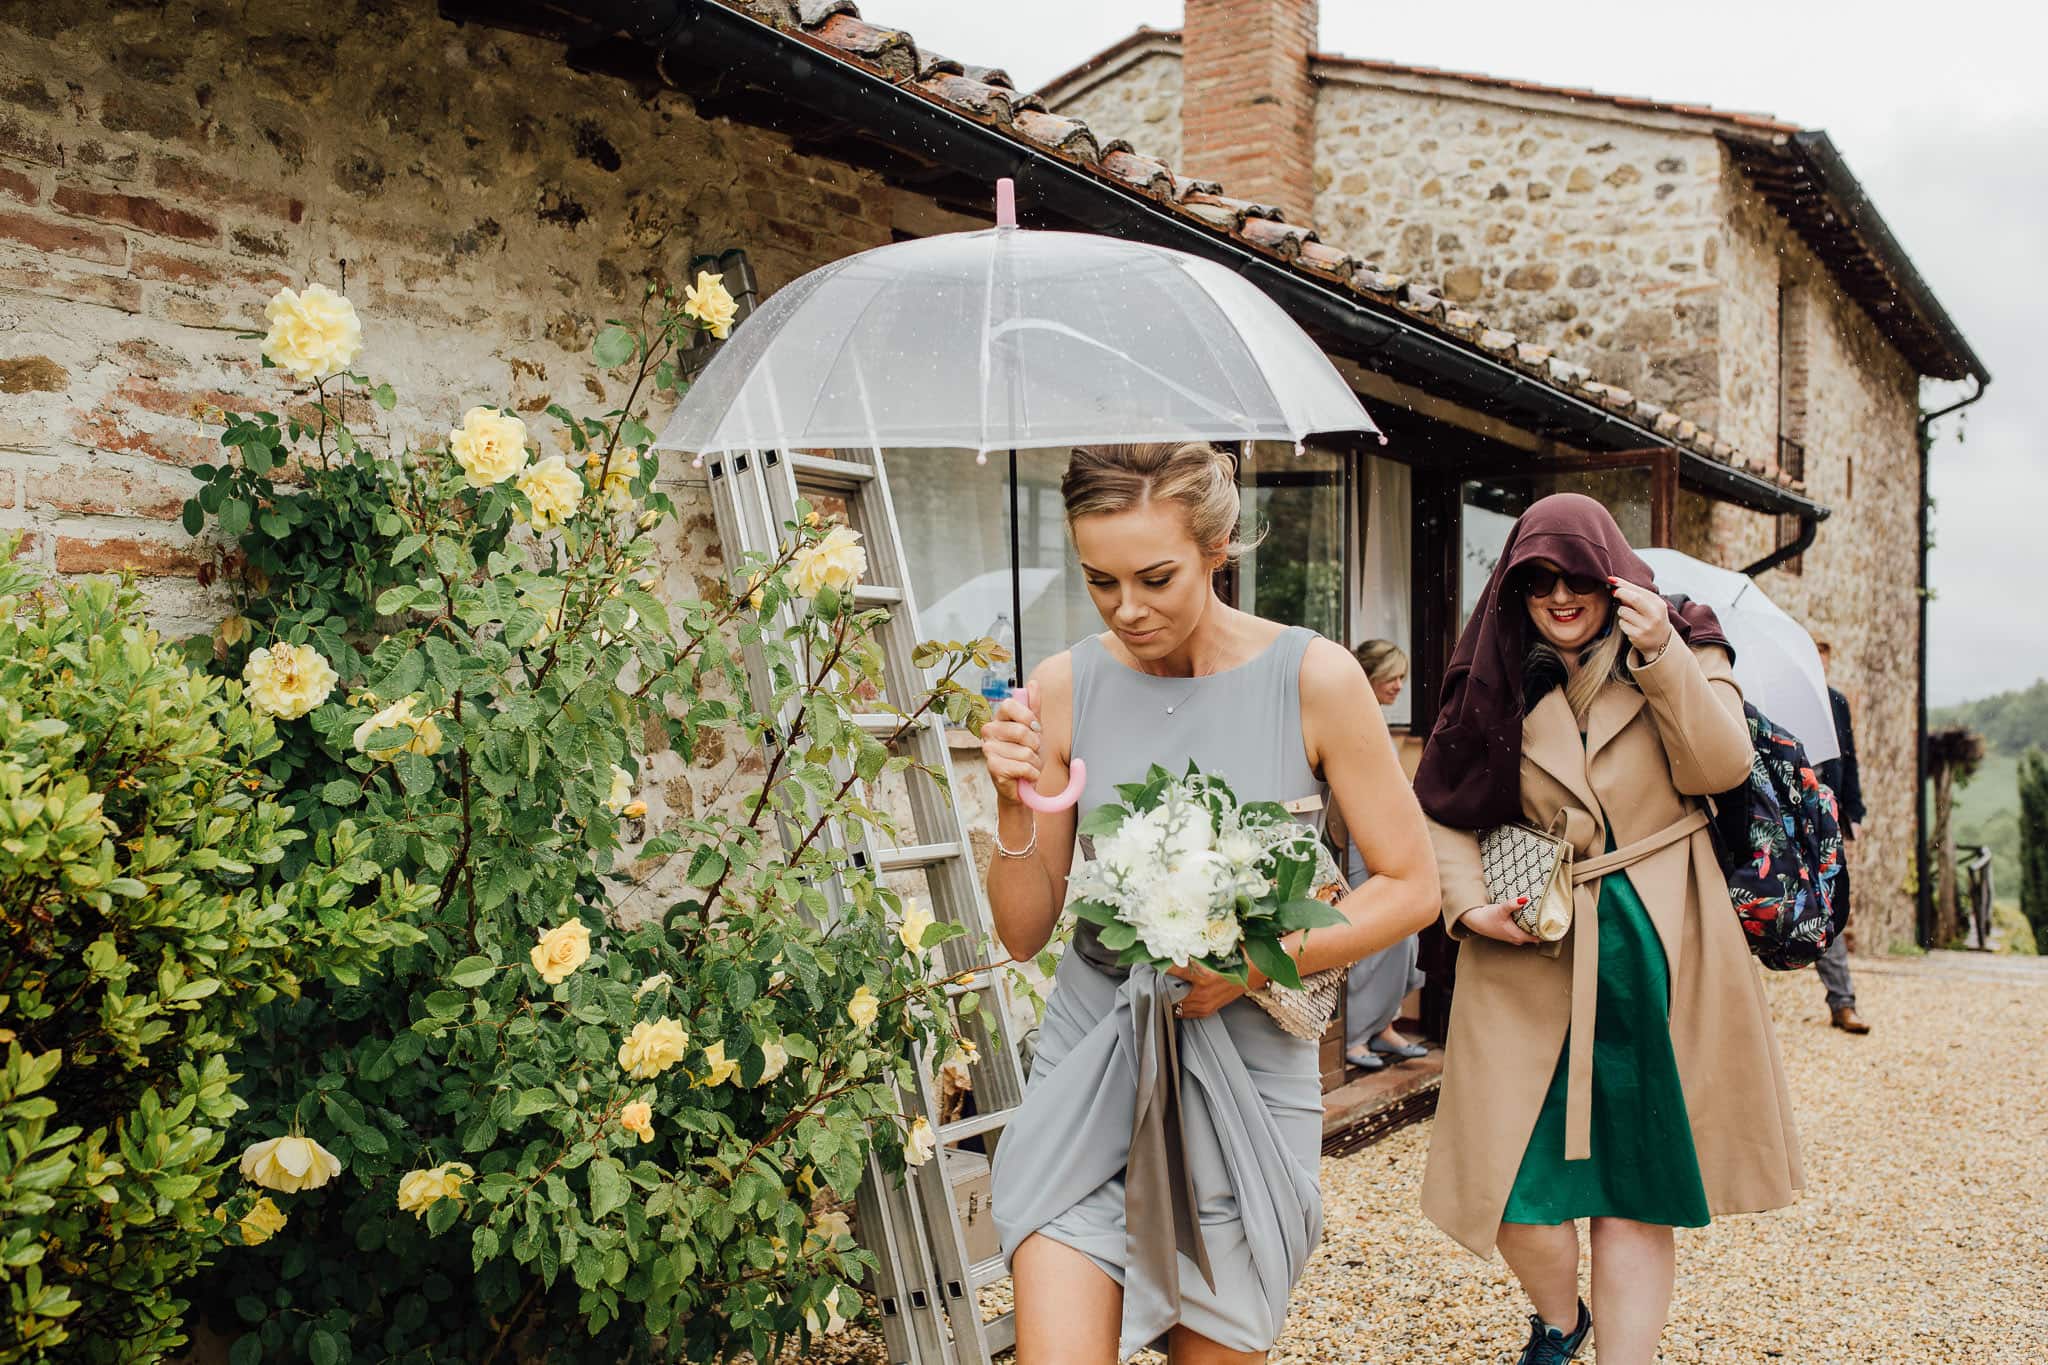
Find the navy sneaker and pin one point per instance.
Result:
(1548, 1346)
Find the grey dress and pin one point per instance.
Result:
(1250, 1102)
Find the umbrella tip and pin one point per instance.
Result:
(1006, 202)
(981, 457)
(1382, 435)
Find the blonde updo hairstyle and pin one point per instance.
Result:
(1107, 479)
(1382, 660)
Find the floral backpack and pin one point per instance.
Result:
(1780, 847)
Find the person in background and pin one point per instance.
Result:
(1842, 777)
(1377, 984)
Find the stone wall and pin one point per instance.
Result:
(164, 170)
(1585, 234)
(1139, 103)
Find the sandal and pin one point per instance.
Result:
(1365, 1059)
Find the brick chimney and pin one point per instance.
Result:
(1247, 101)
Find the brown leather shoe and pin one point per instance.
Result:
(1848, 1021)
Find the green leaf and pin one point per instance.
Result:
(1269, 957)
(1308, 913)
(195, 517)
(324, 1348)
(257, 455)
(472, 972)
(415, 773)
(248, 1348)
(1118, 936)
(1104, 821)
(386, 396)
(1095, 912)
(608, 1187)
(234, 517)
(614, 347)
(707, 865)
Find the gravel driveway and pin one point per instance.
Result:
(1922, 1236)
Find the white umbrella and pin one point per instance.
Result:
(976, 607)
(1776, 663)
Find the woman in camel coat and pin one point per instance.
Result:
(1575, 1076)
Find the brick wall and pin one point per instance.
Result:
(164, 169)
(1249, 116)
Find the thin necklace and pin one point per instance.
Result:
(1182, 699)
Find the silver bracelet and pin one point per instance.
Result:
(1024, 852)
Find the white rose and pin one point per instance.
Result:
(1221, 936)
(916, 919)
(288, 680)
(621, 790)
(920, 1143)
(290, 1164)
(312, 334)
(424, 739)
(836, 1322)
(777, 1057)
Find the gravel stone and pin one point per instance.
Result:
(1922, 1235)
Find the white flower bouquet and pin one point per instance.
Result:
(1183, 872)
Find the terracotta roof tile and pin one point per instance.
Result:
(988, 95)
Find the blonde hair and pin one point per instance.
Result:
(1382, 660)
(1107, 479)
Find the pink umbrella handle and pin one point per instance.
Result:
(1077, 775)
(1006, 202)
(1046, 805)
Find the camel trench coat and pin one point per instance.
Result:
(1649, 751)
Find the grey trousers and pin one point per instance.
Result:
(1834, 963)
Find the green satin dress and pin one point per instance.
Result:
(1643, 1166)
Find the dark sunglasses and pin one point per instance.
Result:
(1540, 582)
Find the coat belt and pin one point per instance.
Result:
(1578, 1110)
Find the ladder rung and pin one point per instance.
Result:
(982, 1274)
(976, 981)
(913, 856)
(974, 1126)
(888, 723)
(872, 595)
(825, 469)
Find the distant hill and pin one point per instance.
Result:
(2010, 722)
(1988, 806)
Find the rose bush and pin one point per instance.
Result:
(566, 1131)
(144, 934)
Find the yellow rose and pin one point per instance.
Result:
(233, 630)
(863, 1008)
(425, 737)
(312, 335)
(652, 983)
(621, 791)
(719, 1070)
(419, 1191)
(835, 1322)
(261, 1223)
(552, 489)
(829, 1226)
(651, 1049)
(754, 589)
(916, 919)
(288, 680)
(638, 1118)
(290, 1164)
(709, 303)
(836, 562)
(561, 950)
(489, 445)
(921, 1142)
(777, 1058)
(615, 489)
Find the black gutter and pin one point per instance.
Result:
(678, 30)
(1818, 149)
(1923, 882)
(1809, 527)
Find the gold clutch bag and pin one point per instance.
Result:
(1520, 860)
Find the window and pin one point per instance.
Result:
(1383, 604)
(1793, 309)
(954, 519)
(1296, 574)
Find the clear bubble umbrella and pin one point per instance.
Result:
(1004, 340)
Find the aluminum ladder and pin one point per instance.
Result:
(927, 1288)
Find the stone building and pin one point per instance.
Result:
(1724, 267)
(491, 182)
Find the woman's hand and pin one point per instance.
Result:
(1497, 921)
(1210, 992)
(1012, 745)
(1644, 617)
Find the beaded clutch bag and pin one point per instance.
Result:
(1517, 861)
(1305, 1013)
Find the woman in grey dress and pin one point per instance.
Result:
(1120, 1238)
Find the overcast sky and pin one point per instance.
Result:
(1941, 111)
